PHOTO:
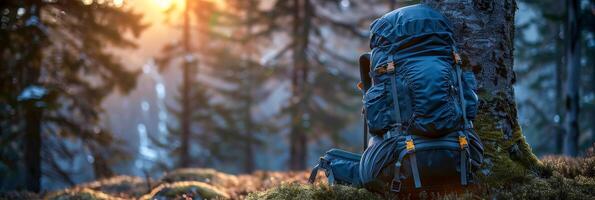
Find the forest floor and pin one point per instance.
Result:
(568, 178)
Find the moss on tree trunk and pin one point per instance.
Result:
(484, 31)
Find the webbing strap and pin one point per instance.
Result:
(331, 176)
(324, 164)
(313, 174)
(464, 147)
(396, 182)
(393, 80)
(459, 72)
(414, 170)
(463, 167)
(463, 144)
(413, 160)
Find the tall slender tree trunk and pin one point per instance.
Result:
(573, 77)
(298, 138)
(249, 165)
(484, 31)
(101, 168)
(186, 73)
(559, 94)
(33, 111)
(32, 145)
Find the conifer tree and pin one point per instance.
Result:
(55, 74)
(322, 75)
(193, 104)
(541, 70)
(235, 62)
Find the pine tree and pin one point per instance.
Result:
(55, 74)
(541, 71)
(235, 62)
(194, 106)
(540, 67)
(573, 59)
(322, 76)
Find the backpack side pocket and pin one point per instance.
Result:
(378, 113)
(470, 94)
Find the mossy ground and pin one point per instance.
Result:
(186, 190)
(318, 191)
(561, 178)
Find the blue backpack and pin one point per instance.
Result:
(419, 108)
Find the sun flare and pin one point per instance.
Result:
(165, 4)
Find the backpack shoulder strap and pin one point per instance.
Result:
(464, 159)
(459, 73)
(313, 174)
(390, 68)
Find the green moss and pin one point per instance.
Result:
(120, 186)
(506, 159)
(185, 190)
(297, 191)
(554, 187)
(80, 194)
(210, 176)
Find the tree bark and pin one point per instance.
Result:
(32, 109)
(249, 164)
(185, 107)
(559, 94)
(484, 31)
(298, 140)
(33, 146)
(573, 77)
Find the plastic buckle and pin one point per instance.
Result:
(456, 57)
(390, 67)
(409, 145)
(463, 141)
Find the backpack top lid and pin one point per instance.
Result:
(401, 27)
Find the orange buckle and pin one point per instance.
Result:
(463, 141)
(409, 145)
(388, 68)
(360, 85)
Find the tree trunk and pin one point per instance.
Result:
(249, 165)
(33, 146)
(185, 107)
(559, 94)
(484, 31)
(298, 139)
(33, 111)
(573, 77)
(101, 168)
